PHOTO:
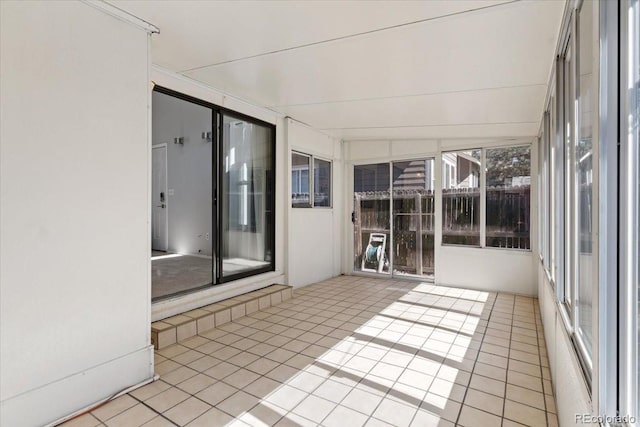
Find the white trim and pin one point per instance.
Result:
(61, 397)
(103, 401)
(122, 15)
(185, 85)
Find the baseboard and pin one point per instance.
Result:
(55, 400)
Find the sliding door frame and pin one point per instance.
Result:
(390, 163)
(217, 178)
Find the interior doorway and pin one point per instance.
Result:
(393, 218)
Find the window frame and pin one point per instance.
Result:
(629, 210)
(586, 352)
(322, 159)
(566, 212)
(482, 187)
(218, 204)
(451, 177)
(310, 177)
(312, 165)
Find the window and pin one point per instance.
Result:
(321, 183)
(548, 183)
(574, 268)
(507, 197)
(300, 180)
(629, 265)
(583, 182)
(543, 183)
(310, 181)
(461, 198)
(247, 193)
(562, 150)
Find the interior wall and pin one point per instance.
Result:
(189, 189)
(488, 269)
(314, 234)
(74, 209)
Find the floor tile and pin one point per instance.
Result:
(394, 413)
(113, 408)
(524, 414)
(135, 416)
(167, 399)
(361, 401)
(286, 397)
(212, 418)
(86, 420)
(187, 411)
(348, 351)
(216, 393)
(238, 403)
(314, 408)
(484, 401)
(145, 392)
(343, 416)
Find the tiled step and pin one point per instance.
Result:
(177, 328)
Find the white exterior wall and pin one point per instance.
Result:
(182, 303)
(314, 234)
(491, 269)
(74, 209)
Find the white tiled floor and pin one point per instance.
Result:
(355, 351)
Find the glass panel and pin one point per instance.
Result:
(300, 166)
(321, 183)
(633, 95)
(508, 197)
(247, 197)
(584, 177)
(371, 218)
(182, 234)
(546, 179)
(562, 222)
(461, 198)
(541, 189)
(413, 218)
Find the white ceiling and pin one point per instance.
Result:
(369, 70)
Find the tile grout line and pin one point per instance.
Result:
(280, 363)
(160, 414)
(506, 379)
(544, 394)
(356, 316)
(464, 397)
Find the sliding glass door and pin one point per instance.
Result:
(393, 218)
(182, 232)
(213, 218)
(247, 192)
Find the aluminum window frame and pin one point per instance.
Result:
(312, 158)
(629, 210)
(310, 172)
(482, 186)
(586, 352)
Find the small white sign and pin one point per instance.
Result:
(170, 192)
